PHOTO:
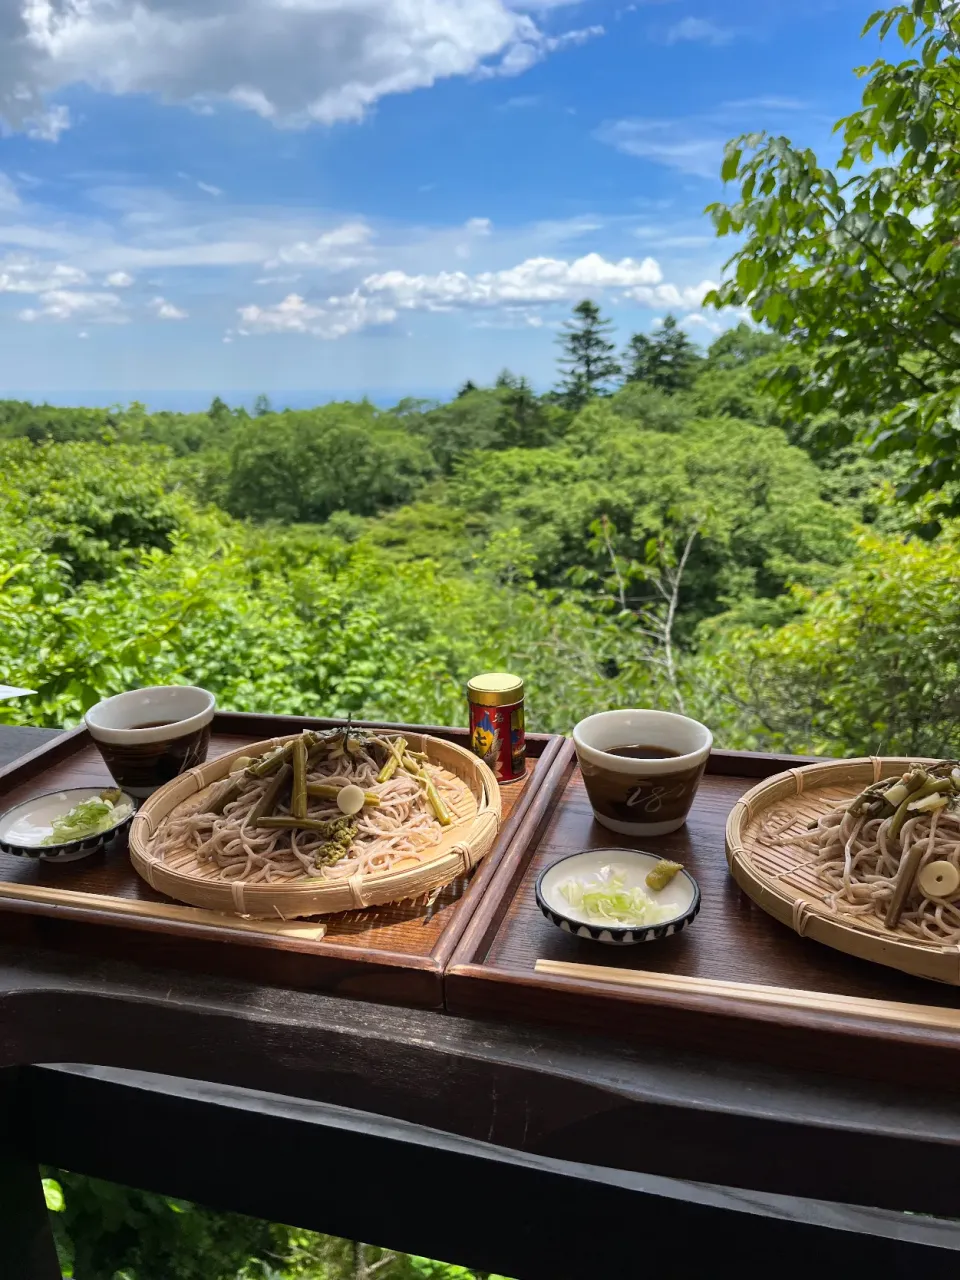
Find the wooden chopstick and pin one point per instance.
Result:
(311, 932)
(785, 997)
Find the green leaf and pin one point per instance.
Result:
(938, 257)
(53, 1195)
(731, 164)
(918, 136)
(907, 28)
(749, 274)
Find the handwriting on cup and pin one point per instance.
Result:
(651, 799)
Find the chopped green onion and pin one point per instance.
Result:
(607, 900)
(89, 818)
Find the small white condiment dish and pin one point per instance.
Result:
(23, 828)
(682, 895)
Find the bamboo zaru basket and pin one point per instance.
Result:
(772, 872)
(462, 845)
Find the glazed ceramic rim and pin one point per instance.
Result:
(670, 721)
(51, 850)
(98, 717)
(618, 931)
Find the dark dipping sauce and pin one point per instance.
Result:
(152, 724)
(643, 752)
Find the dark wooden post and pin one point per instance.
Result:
(27, 1251)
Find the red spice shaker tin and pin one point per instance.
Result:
(496, 723)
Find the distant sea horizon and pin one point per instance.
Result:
(174, 401)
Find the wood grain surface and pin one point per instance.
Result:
(570, 1095)
(394, 953)
(731, 941)
(81, 1118)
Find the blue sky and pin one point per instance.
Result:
(318, 197)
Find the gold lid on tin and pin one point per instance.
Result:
(495, 689)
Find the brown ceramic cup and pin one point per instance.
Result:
(148, 736)
(641, 797)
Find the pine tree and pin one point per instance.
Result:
(587, 364)
(218, 410)
(524, 420)
(667, 360)
(465, 390)
(262, 405)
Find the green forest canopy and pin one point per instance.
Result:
(108, 1232)
(350, 559)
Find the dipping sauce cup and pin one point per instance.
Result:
(148, 736)
(643, 797)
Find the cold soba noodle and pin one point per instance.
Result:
(325, 806)
(873, 851)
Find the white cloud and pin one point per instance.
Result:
(289, 277)
(49, 124)
(334, 318)
(535, 6)
(517, 293)
(119, 280)
(669, 295)
(291, 61)
(698, 30)
(475, 228)
(569, 38)
(665, 238)
(691, 144)
(9, 196)
(536, 281)
(208, 187)
(213, 253)
(678, 144)
(516, 319)
(698, 321)
(767, 103)
(525, 54)
(21, 274)
(165, 310)
(68, 304)
(340, 248)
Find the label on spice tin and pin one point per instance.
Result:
(497, 737)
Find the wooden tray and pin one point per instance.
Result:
(395, 954)
(735, 983)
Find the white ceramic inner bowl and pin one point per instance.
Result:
(189, 707)
(595, 735)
